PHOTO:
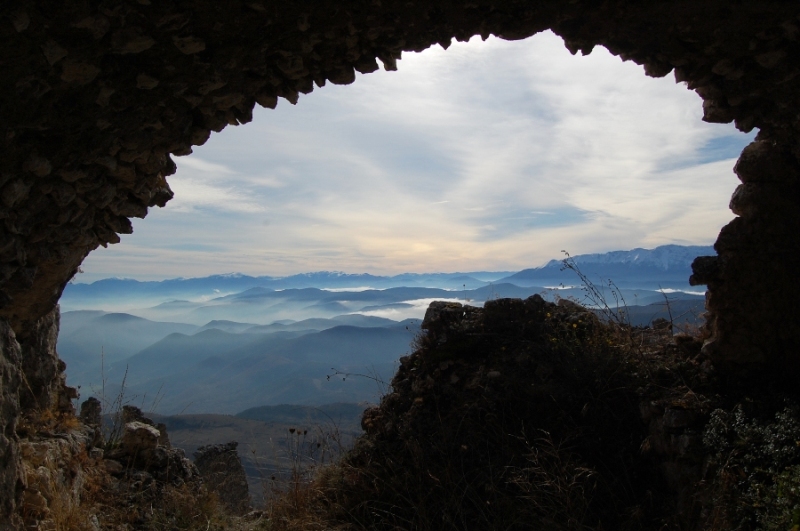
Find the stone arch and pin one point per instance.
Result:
(99, 94)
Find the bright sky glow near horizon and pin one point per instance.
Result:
(488, 156)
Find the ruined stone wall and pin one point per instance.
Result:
(753, 289)
(97, 95)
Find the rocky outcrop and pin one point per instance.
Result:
(45, 387)
(144, 447)
(91, 412)
(139, 438)
(223, 473)
(70, 481)
(525, 414)
(134, 414)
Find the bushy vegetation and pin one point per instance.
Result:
(755, 461)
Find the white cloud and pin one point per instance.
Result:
(491, 155)
(205, 166)
(192, 194)
(415, 309)
(200, 184)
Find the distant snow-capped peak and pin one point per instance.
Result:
(663, 257)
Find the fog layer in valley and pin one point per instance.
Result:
(226, 343)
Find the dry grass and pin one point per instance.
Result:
(133, 504)
(556, 483)
(292, 493)
(46, 421)
(65, 513)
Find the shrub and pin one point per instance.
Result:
(755, 464)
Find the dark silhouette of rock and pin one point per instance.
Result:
(91, 412)
(222, 472)
(468, 402)
(92, 416)
(134, 414)
(163, 437)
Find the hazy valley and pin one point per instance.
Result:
(233, 342)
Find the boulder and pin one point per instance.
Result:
(139, 438)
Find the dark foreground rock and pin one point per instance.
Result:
(528, 414)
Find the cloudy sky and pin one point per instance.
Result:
(488, 156)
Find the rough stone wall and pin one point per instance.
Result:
(32, 385)
(11, 484)
(55, 469)
(753, 288)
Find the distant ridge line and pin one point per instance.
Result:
(610, 257)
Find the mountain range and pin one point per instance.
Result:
(262, 344)
(111, 290)
(186, 368)
(668, 265)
